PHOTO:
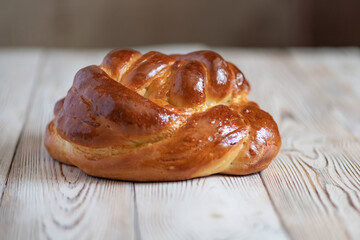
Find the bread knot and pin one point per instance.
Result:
(157, 117)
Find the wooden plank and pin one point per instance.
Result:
(314, 181)
(18, 72)
(48, 200)
(339, 72)
(217, 207)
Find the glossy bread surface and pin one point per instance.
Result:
(157, 117)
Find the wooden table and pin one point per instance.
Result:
(310, 191)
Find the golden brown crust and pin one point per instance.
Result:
(155, 117)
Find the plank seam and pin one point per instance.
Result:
(281, 220)
(41, 62)
(136, 217)
(11, 163)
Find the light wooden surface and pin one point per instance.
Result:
(310, 191)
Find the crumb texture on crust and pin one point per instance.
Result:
(157, 117)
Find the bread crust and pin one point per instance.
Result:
(157, 117)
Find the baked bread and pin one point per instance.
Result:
(157, 117)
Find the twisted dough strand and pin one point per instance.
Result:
(155, 117)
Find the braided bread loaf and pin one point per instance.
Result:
(157, 117)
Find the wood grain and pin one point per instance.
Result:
(339, 73)
(18, 72)
(310, 191)
(306, 183)
(48, 200)
(217, 207)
